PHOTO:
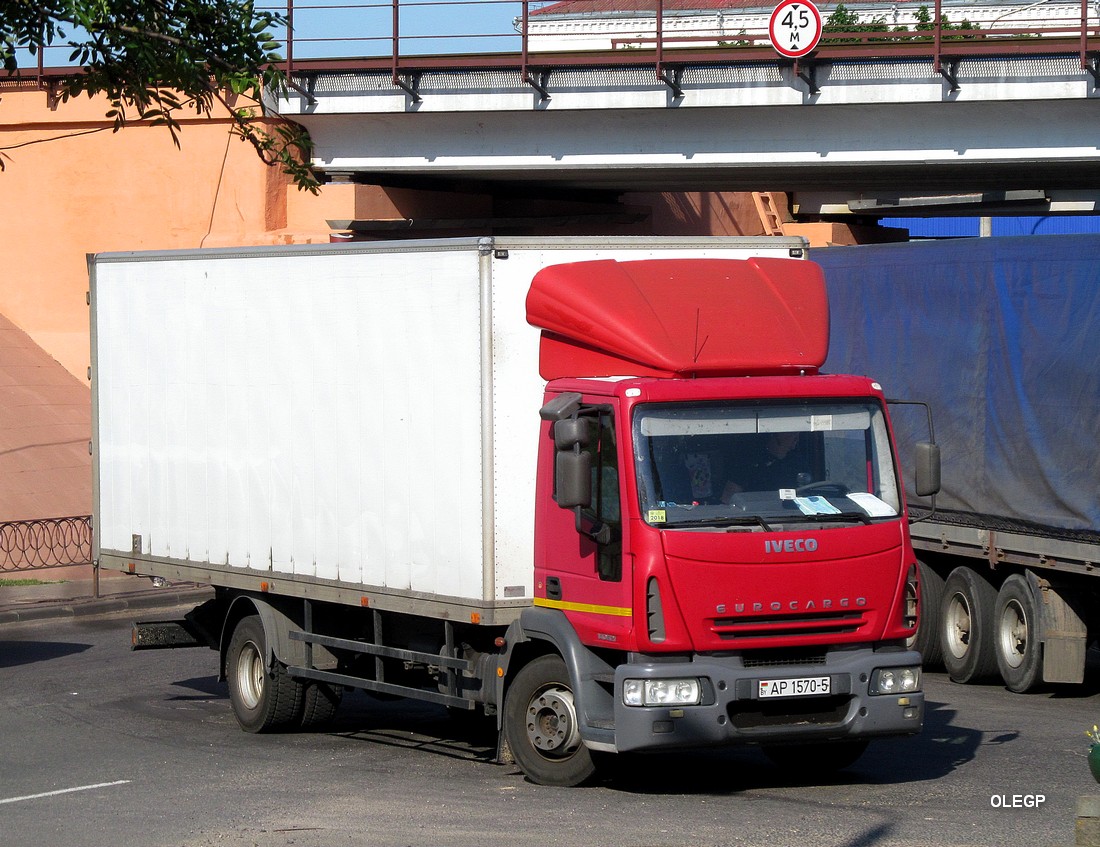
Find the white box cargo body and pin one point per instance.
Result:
(355, 422)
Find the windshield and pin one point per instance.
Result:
(760, 466)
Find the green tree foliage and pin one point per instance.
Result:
(154, 59)
(844, 20)
(848, 23)
(925, 23)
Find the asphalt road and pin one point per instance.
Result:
(101, 746)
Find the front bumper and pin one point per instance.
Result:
(732, 713)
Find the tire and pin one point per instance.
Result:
(262, 701)
(966, 626)
(927, 640)
(1015, 622)
(541, 726)
(816, 760)
(320, 702)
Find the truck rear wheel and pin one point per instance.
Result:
(966, 626)
(541, 726)
(1019, 653)
(262, 701)
(319, 704)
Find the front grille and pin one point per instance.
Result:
(784, 626)
(782, 658)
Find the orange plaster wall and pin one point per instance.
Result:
(701, 213)
(70, 186)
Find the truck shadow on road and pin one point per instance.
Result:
(206, 688)
(414, 725)
(13, 653)
(939, 749)
(942, 747)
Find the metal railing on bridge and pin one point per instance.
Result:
(407, 37)
(538, 37)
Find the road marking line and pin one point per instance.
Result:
(65, 791)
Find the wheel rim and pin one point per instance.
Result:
(1013, 634)
(250, 675)
(552, 727)
(957, 623)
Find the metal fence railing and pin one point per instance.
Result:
(407, 36)
(45, 543)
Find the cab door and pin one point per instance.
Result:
(580, 566)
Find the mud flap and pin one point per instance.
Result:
(1062, 631)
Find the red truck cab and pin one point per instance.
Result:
(721, 541)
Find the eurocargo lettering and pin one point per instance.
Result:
(536, 480)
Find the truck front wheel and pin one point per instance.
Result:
(1019, 654)
(966, 622)
(927, 638)
(541, 727)
(262, 701)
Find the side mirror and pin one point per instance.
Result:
(927, 480)
(573, 466)
(573, 479)
(573, 432)
(573, 462)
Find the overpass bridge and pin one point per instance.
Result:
(873, 123)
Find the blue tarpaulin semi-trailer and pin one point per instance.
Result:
(1002, 337)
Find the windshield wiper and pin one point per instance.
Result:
(732, 520)
(837, 516)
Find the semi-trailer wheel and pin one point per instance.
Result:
(1019, 652)
(262, 700)
(541, 726)
(966, 626)
(927, 639)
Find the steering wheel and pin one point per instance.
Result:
(824, 489)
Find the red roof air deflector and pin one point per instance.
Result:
(680, 317)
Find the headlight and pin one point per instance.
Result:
(661, 692)
(895, 680)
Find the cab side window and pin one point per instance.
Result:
(605, 507)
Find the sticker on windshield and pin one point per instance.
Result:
(815, 506)
(872, 505)
(655, 516)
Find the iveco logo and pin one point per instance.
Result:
(791, 545)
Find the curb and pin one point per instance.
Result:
(88, 606)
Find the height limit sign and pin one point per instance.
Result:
(795, 28)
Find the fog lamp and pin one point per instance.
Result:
(661, 692)
(895, 680)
